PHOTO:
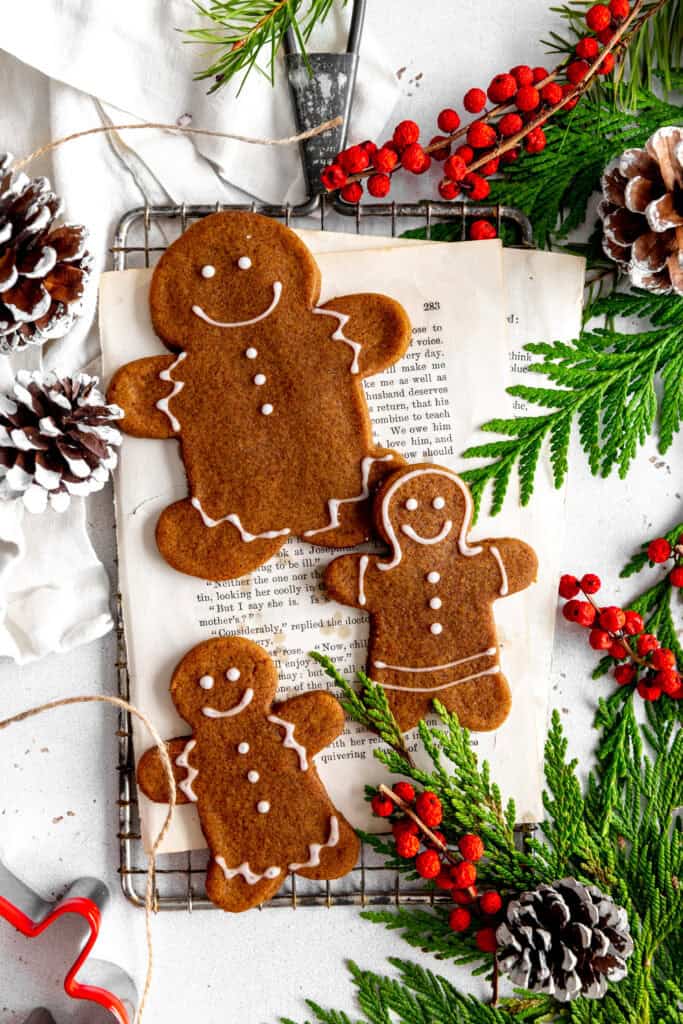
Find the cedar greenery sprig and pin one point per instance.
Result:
(240, 29)
(369, 707)
(605, 384)
(417, 996)
(622, 831)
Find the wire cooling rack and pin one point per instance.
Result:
(142, 235)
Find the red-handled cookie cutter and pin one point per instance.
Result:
(95, 981)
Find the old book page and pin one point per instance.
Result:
(427, 406)
(544, 301)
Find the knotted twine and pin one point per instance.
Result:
(180, 129)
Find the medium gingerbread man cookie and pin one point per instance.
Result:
(248, 766)
(264, 392)
(432, 629)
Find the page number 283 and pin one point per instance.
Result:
(430, 307)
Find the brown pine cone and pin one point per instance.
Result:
(642, 212)
(44, 265)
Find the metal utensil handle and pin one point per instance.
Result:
(322, 86)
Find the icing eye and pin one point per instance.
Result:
(438, 502)
(244, 263)
(411, 504)
(206, 682)
(208, 271)
(232, 675)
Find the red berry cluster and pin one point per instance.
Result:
(455, 872)
(621, 633)
(520, 101)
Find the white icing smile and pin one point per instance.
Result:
(277, 293)
(247, 698)
(419, 539)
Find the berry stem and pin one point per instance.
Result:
(620, 636)
(410, 813)
(635, 28)
(494, 983)
(633, 22)
(485, 116)
(578, 90)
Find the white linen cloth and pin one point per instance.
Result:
(73, 64)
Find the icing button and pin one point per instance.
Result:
(436, 628)
(259, 379)
(244, 263)
(251, 353)
(208, 271)
(253, 776)
(263, 806)
(433, 577)
(435, 602)
(266, 409)
(243, 748)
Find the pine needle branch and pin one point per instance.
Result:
(239, 30)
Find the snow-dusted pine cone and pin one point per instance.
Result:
(44, 265)
(57, 439)
(642, 212)
(564, 939)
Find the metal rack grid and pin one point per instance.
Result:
(142, 235)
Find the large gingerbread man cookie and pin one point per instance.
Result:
(432, 630)
(264, 394)
(248, 766)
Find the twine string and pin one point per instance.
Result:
(168, 771)
(181, 129)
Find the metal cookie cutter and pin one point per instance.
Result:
(94, 981)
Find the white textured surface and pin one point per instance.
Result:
(57, 812)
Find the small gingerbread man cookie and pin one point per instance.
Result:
(432, 630)
(248, 766)
(264, 393)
